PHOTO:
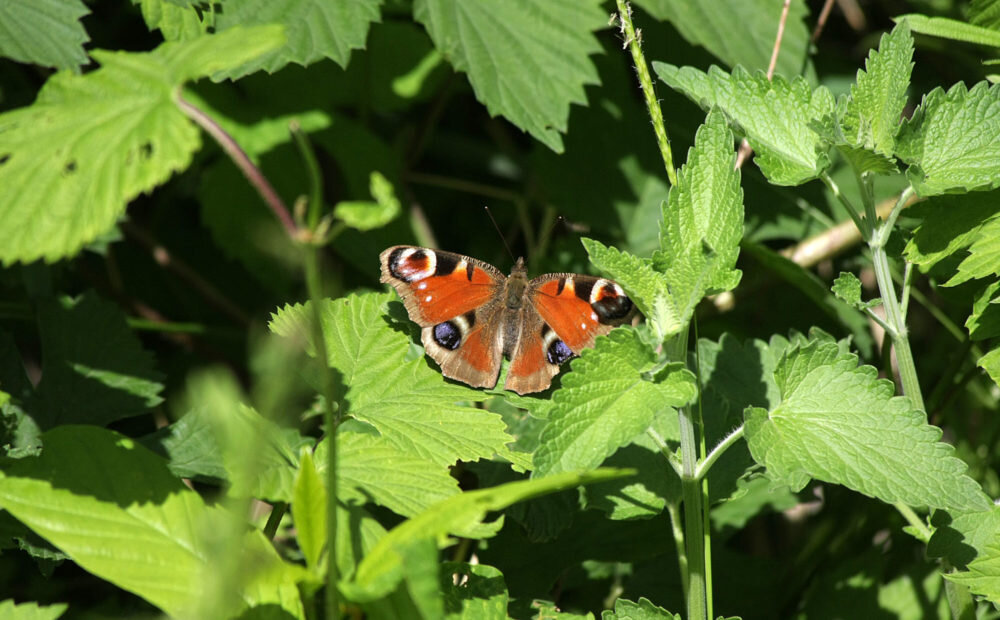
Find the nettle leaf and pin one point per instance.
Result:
(71, 161)
(473, 591)
(983, 574)
(839, 423)
(644, 609)
(646, 287)
(309, 501)
(116, 510)
(950, 223)
(984, 255)
(95, 370)
(405, 399)
(44, 32)
(30, 611)
(368, 215)
(527, 61)
(951, 29)
(961, 537)
(774, 115)
(991, 364)
(315, 30)
(370, 468)
(984, 322)
(701, 23)
(175, 22)
(386, 564)
(877, 99)
(985, 13)
(610, 397)
(705, 209)
(952, 141)
(847, 288)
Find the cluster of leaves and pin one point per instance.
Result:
(557, 505)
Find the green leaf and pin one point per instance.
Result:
(774, 115)
(95, 370)
(984, 322)
(309, 501)
(983, 575)
(646, 287)
(367, 215)
(44, 32)
(370, 468)
(847, 288)
(527, 61)
(701, 23)
(705, 209)
(117, 511)
(877, 100)
(71, 161)
(961, 537)
(315, 30)
(175, 22)
(473, 591)
(985, 13)
(950, 29)
(839, 423)
(642, 610)
(984, 255)
(30, 611)
(991, 364)
(952, 141)
(949, 224)
(408, 402)
(606, 401)
(383, 568)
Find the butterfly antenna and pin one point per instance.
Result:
(502, 238)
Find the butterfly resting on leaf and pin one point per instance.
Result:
(472, 316)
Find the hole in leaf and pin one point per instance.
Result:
(146, 150)
(70, 167)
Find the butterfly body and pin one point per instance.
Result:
(472, 316)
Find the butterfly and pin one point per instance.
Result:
(472, 315)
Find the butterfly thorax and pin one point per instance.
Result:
(516, 283)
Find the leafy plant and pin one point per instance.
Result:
(208, 412)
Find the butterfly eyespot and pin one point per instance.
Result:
(411, 264)
(448, 335)
(558, 352)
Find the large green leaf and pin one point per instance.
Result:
(710, 24)
(839, 423)
(316, 29)
(775, 115)
(949, 224)
(526, 60)
(952, 141)
(410, 404)
(117, 511)
(71, 161)
(44, 32)
(610, 397)
(983, 574)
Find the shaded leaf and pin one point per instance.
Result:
(44, 32)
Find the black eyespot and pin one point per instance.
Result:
(447, 335)
(409, 268)
(558, 352)
(612, 307)
(445, 264)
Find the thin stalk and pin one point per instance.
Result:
(665, 450)
(274, 519)
(718, 451)
(860, 222)
(678, 531)
(315, 209)
(879, 320)
(633, 41)
(924, 532)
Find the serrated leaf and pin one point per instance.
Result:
(645, 286)
(701, 22)
(704, 209)
(985, 13)
(71, 161)
(315, 30)
(952, 141)
(991, 364)
(862, 159)
(949, 224)
(95, 370)
(527, 61)
(605, 402)
(30, 611)
(383, 568)
(309, 502)
(951, 29)
(367, 215)
(117, 511)
(839, 423)
(983, 574)
(644, 609)
(847, 288)
(984, 322)
(774, 115)
(174, 21)
(984, 255)
(961, 537)
(473, 591)
(877, 99)
(44, 32)
(370, 468)
(408, 402)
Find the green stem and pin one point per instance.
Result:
(678, 531)
(717, 451)
(860, 222)
(315, 210)
(924, 532)
(646, 83)
(274, 519)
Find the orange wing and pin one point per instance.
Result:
(579, 308)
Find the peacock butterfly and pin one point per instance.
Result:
(472, 316)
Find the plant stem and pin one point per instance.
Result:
(274, 519)
(862, 225)
(315, 210)
(717, 451)
(634, 43)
